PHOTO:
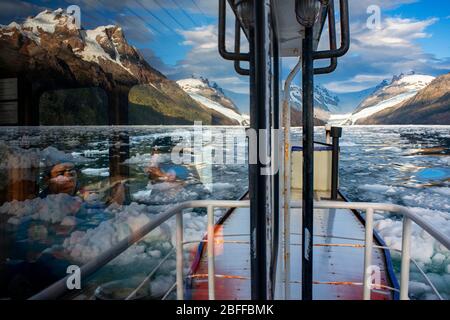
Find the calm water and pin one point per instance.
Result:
(405, 165)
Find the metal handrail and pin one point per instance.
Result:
(59, 288)
(409, 217)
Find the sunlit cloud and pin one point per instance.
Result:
(203, 59)
(391, 50)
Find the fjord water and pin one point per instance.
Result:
(407, 165)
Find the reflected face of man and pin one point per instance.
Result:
(63, 179)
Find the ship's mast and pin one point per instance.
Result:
(308, 164)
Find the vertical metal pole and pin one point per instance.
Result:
(179, 256)
(328, 134)
(406, 256)
(308, 165)
(276, 159)
(257, 181)
(287, 180)
(368, 254)
(287, 194)
(336, 133)
(211, 263)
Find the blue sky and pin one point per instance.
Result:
(439, 41)
(178, 37)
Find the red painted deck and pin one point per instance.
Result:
(337, 269)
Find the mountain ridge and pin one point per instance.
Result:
(211, 95)
(400, 89)
(50, 53)
(431, 105)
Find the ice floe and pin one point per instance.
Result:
(99, 172)
(53, 208)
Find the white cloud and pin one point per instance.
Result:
(394, 32)
(203, 59)
(376, 53)
(356, 83)
(359, 7)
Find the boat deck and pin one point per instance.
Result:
(338, 259)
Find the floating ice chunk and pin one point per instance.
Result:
(218, 186)
(14, 221)
(393, 149)
(418, 288)
(438, 258)
(379, 188)
(69, 221)
(442, 191)
(391, 190)
(18, 158)
(53, 208)
(135, 222)
(432, 198)
(102, 172)
(166, 193)
(155, 254)
(51, 156)
(83, 246)
(142, 195)
(430, 254)
(160, 285)
(133, 254)
(94, 153)
(162, 233)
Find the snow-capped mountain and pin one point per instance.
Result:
(212, 96)
(400, 89)
(52, 32)
(50, 52)
(323, 99)
(349, 101)
(430, 105)
(324, 102)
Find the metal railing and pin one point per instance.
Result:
(59, 288)
(409, 216)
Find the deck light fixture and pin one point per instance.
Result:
(307, 11)
(245, 11)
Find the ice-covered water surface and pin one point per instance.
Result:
(408, 166)
(402, 165)
(405, 165)
(115, 196)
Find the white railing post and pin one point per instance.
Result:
(211, 267)
(406, 258)
(368, 255)
(286, 124)
(179, 255)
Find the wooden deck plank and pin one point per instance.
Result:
(331, 264)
